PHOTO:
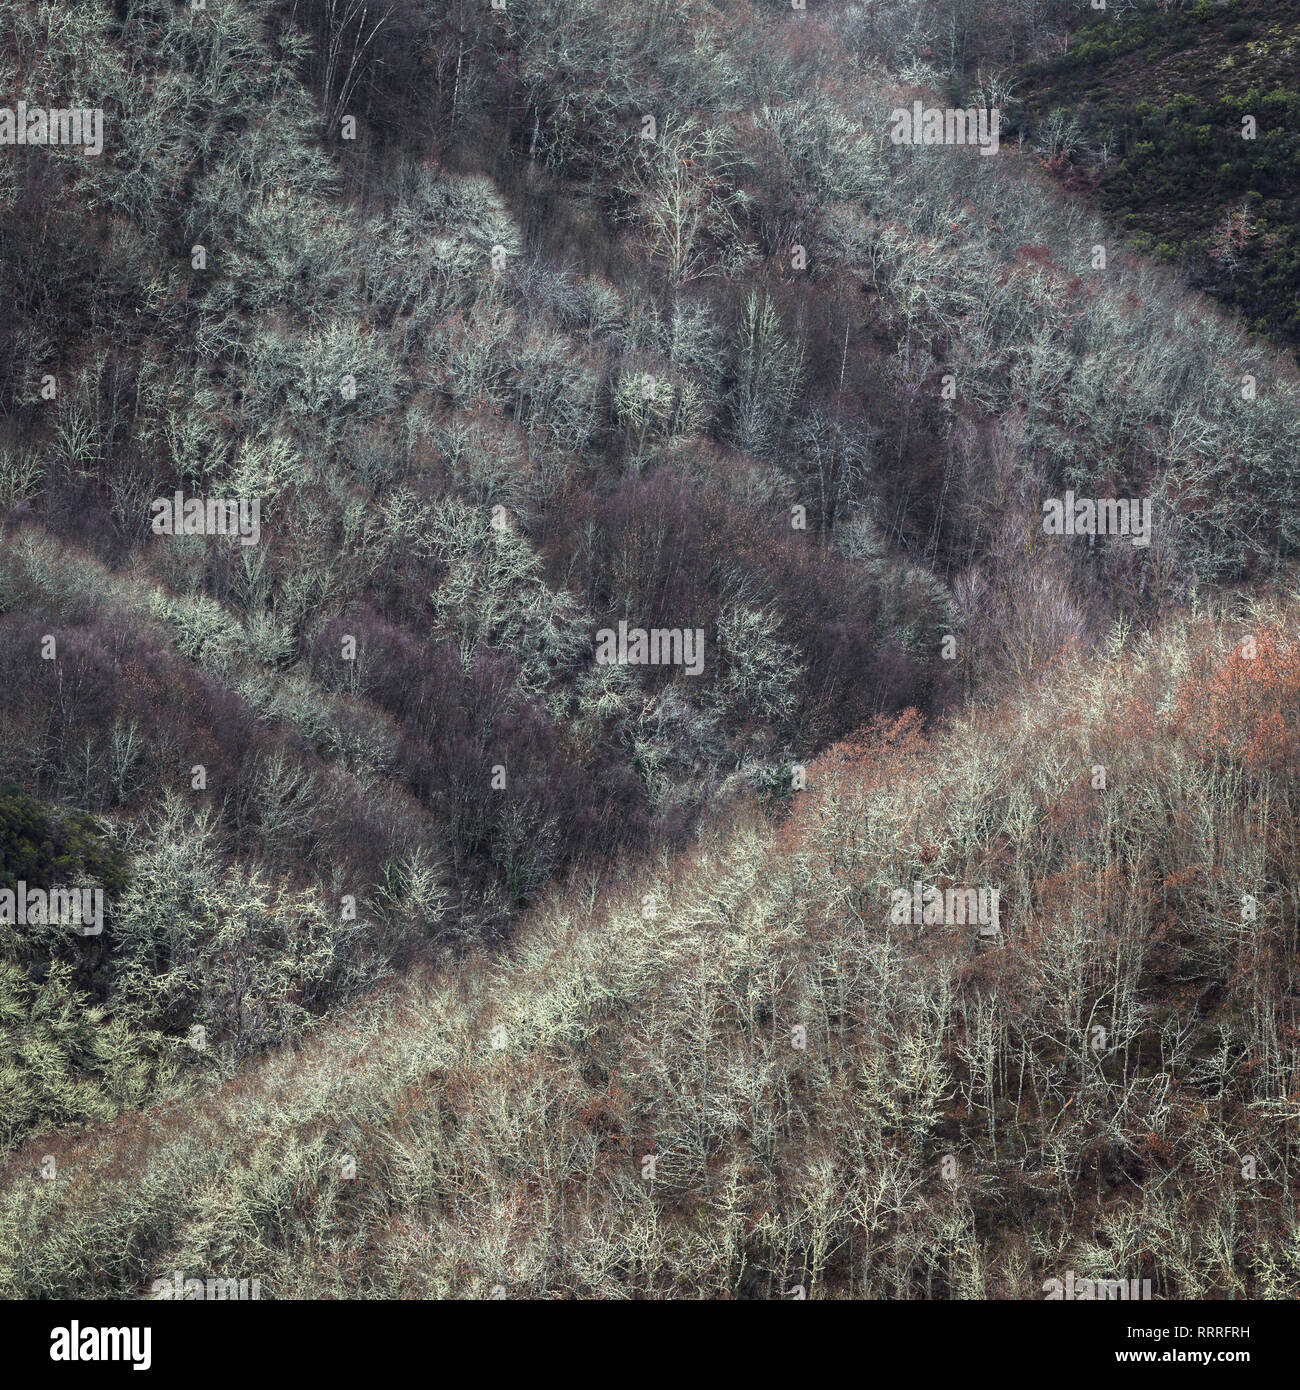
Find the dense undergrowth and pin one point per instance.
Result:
(1108, 1085)
(505, 367)
(1149, 112)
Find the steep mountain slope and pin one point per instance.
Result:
(1187, 125)
(524, 330)
(731, 1075)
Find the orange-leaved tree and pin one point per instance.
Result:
(1247, 708)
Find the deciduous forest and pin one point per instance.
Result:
(552, 552)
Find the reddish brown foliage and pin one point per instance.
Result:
(1247, 710)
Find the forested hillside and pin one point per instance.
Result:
(1155, 115)
(391, 381)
